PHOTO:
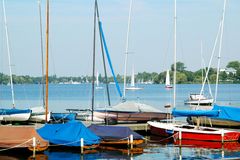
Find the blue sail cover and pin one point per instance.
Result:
(186, 113)
(13, 111)
(227, 112)
(68, 134)
(109, 59)
(113, 132)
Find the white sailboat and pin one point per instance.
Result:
(12, 114)
(132, 85)
(167, 81)
(97, 82)
(38, 112)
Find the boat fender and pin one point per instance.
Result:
(170, 131)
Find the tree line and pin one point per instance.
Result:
(230, 75)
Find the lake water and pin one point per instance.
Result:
(78, 96)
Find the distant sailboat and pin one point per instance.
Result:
(167, 82)
(132, 86)
(97, 82)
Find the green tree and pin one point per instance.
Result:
(234, 64)
(179, 67)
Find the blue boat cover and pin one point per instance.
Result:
(13, 111)
(186, 113)
(68, 134)
(113, 132)
(227, 112)
(63, 116)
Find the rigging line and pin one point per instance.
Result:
(47, 50)
(104, 63)
(210, 62)
(175, 54)
(8, 52)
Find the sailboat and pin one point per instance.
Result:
(125, 111)
(72, 133)
(12, 114)
(97, 82)
(191, 132)
(167, 81)
(38, 112)
(21, 136)
(133, 87)
(200, 98)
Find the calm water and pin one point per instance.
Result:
(78, 96)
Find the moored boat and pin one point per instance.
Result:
(191, 132)
(14, 115)
(20, 137)
(116, 135)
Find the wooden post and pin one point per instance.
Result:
(34, 146)
(81, 145)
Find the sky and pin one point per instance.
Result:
(150, 38)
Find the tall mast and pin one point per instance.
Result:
(94, 45)
(175, 54)
(8, 52)
(126, 51)
(41, 39)
(47, 47)
(104, 64)
(220, 49)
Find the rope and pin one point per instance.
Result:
(16, 145)
(172, 136)
(64, 144)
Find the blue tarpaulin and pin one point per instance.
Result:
(113, 132)
(186, 113)
(68, 134)
(227, 112)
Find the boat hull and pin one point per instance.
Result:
(131, 116)
(214, 122)
(189, 132)
(16, 115)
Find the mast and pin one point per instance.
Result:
(126, 51)
(94, 45)
(8, 52)
(104, 64)
(175, 54)
(47, 47)
(220, 49)
(41, 38)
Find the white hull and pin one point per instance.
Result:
(201, 102)
(134, 88)
(16, 117)
(38, 114)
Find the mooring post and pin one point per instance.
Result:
(180, 137)
(222, 135)
(131, 141)
(81, 145)
(34, 146)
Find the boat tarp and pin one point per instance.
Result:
(113, 132)
(63, 116)
(227, 112)
(186, 113)
(13, 111)
(68, 134)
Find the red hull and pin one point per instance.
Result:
(230, 136)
